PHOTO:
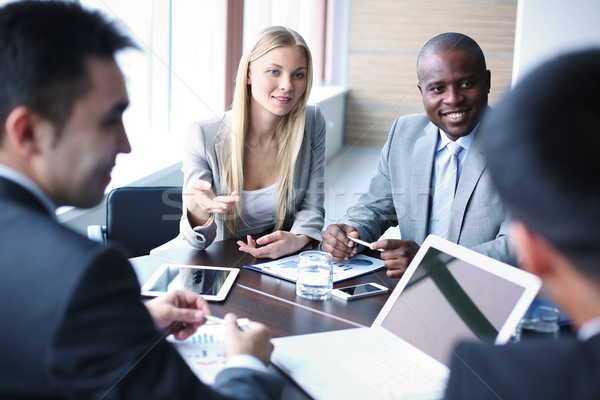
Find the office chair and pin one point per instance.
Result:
(139, 218)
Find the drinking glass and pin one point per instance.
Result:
(315, 275)
(539, 322)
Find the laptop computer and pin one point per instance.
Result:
(447, 294)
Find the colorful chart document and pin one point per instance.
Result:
(203, 351)
(285, 268)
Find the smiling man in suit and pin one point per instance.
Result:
(73, 323)
(431, 177)
(542, 145)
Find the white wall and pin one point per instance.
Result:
(331, 100)
(546, 28)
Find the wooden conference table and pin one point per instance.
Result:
(273, 301)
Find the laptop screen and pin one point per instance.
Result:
(448, 299)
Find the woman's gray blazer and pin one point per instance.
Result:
(203, 159)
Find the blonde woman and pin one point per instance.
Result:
(258, 170)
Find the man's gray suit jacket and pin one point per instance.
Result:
(400, 194)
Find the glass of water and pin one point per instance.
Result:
(539, 322)
(315, 275)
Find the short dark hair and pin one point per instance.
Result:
(542, 144)
(450, 41)
(43, 46)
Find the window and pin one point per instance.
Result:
(178, 74)
(174, 78)
(306, 17)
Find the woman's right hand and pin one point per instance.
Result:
(202, 203)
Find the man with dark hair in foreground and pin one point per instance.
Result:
(542, 146)
(73, 324)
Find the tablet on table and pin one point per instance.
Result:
(212, 283)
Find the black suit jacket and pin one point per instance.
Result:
(73, 325)
(563, 369)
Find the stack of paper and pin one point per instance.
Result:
(285, 268)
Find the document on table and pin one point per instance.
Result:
(285, 268)
(203, 351)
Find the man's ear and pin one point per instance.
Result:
(20, 131)
(535, 252)
(420, 89)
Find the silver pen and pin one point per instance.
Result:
(241, 322)
(367, 244)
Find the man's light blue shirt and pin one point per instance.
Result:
(443, 140)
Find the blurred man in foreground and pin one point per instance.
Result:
(73, 325)
(542, 146)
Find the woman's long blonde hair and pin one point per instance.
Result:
(290, 131)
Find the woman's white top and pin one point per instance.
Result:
(258, 210)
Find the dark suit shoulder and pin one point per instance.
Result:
(270, 386)
(37, 241)
(550, 370)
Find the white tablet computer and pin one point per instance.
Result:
(212, 283)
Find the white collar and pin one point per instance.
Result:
(464, 141)
(589, 329)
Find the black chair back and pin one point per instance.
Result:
(141, 218)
